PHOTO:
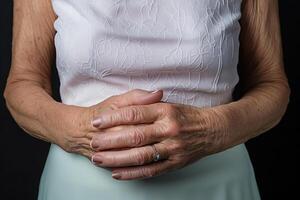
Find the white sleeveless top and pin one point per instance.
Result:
(187, 48)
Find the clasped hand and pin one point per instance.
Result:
(181, 133)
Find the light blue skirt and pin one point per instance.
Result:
(227, 175)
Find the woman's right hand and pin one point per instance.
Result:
(75, 129)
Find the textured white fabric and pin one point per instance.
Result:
(187, 48)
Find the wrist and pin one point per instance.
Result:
(218, 128)
(55, 121)
(234, 122)
(70, 126)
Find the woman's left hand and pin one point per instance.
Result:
(181, 133)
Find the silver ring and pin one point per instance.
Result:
(156, 156)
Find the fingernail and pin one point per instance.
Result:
(97, 159)
(96, 122)
(94, 145)
(116, 175)
(154, 91)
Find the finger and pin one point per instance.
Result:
(142, 172)
(129, 157)
(133, 136)
(139, 97)
(136, 114)
(133, 97)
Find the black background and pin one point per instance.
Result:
(274, 154)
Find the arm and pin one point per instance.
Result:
(28, 89)
(265, 86)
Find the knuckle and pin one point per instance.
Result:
(69, 149)
(92, 112)
(112, 118)
(133, 113)
(137, 137)
(131, 174)
(69, 144)
(168, 108)
(146, 172)
(179, 163)
(173, 128)
(160, 108)
(153, 172)
(130, 114)
(114, 105)
(113, 101)
(140, 159)
(72, 149)
(176, 146)
(83, 123)
(112, 98)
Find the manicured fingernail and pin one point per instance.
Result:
(96, 122)
(116, 175)
(94, 145)
(97, 159)
(154, 91)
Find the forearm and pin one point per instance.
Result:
(28, 88)
(33, 109)
(259, 110)
(265, 90)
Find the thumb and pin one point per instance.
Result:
(132, 97)
(135, 97)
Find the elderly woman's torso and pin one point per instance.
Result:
(188, 48)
